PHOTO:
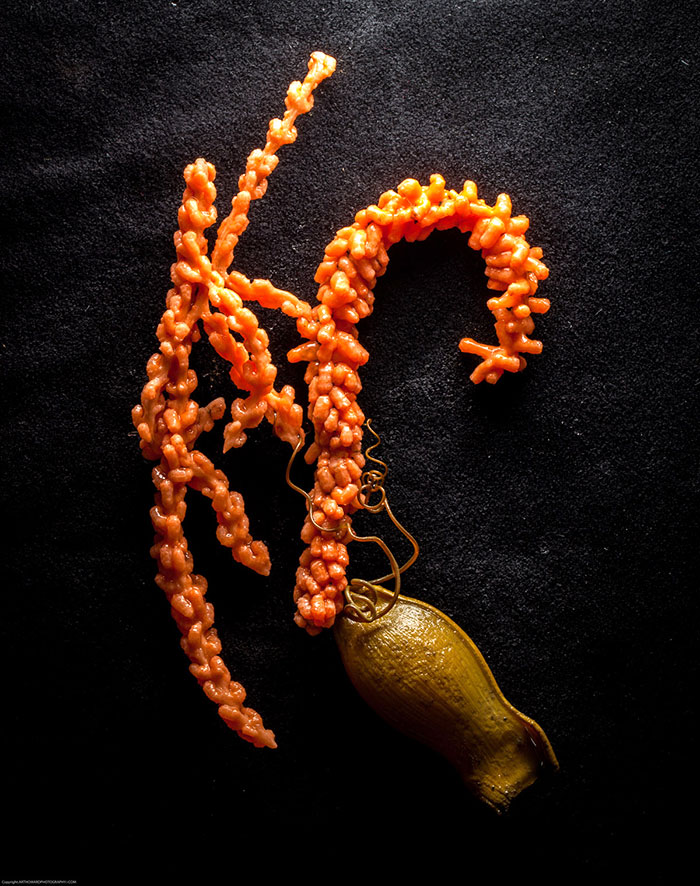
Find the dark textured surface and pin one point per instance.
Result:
(556, 511)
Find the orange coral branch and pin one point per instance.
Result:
(169, 421)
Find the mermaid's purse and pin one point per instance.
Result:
(426, 677)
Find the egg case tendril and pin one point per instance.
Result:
(360, 595)
(207, 294)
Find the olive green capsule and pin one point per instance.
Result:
(426, 678)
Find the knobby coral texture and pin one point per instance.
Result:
(207, 294)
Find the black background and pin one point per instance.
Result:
(555, 510)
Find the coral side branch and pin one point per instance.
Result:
(253, 183)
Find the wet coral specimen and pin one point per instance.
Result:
(207, 295)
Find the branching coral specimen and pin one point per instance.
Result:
(169, 421)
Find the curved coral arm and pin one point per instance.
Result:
(353, 261)
(169, 423)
